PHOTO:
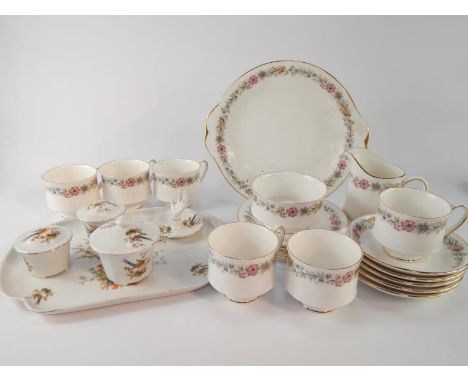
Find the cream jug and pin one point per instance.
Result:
(370, 175)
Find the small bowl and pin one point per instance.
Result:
(95, 215)
(126, 249)
(322, 269)
(45, 250)
(288, 199)
(242, 260)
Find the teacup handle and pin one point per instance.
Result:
(203, 169)
(279, 232)
(152, 176)
(418, 179)
(460, 222)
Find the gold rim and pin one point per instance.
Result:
(290, 253)
(408, 289)
(69, 165)
(416, 284)
(364, 122)
(272, 253)
(373, 176)
(396, 292)
(423, 279)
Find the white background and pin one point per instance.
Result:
(89, 89)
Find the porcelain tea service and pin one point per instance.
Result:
(312, 137)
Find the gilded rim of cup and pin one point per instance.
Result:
(126, 176)
(70, 165)
(318, 200)
(272, 253)
(172, 174)
(414, 216)
(374, 176)
(320, 268)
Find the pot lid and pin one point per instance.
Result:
(42, 239)
(100, 211)
(123, 237)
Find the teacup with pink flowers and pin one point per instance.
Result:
(172, 176)
(289, 199)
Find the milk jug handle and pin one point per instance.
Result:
(416, 179)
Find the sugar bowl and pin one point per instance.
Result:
(126, 249)
(95, 215)
(45, 250)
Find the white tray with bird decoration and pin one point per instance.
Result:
(179, 266)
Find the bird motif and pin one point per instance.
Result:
(137, 268)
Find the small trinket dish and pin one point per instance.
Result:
(187, 224)
(126, 249)
(95, 215)
(45, 250)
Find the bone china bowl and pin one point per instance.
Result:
(126, 181)
(322, 270)
(287, 199)
(126, 249)
(242, 260)
(412, 223)
(70, 187)
(172, 175)
(45, 250)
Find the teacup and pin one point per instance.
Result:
(173, 175)
(287, 199)
(45, 250)
(126, 249)
(412, 223)
(126, 181)
(322, 269)
(70, 187)
(242, 260)
(370, 175)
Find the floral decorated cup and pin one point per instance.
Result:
(95, 215)
(412, 224)
(70, 187)
(289, 199)
(370, 175)
(242, 260)
(45, 250)
(126, 249)
(126, 181)
(173, 175)
(323, 268)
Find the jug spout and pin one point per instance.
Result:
(365, 160)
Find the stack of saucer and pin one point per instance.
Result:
(433, 276)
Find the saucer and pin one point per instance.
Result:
(450, 260)
(329, 217)
(189, 223)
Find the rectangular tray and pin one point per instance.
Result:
(179, 266)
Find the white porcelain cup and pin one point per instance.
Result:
(287, 199)
(126, 181)
(323, 268)
(242, 260)
(411, 223)
(70, 187)
(173, 175)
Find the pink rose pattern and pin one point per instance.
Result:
(410, 225)
(73, 191)
(178, 181)
(364, 184)
(277, 71)
(242, 271)
(285, 211)
(126, 183)
(336, 280)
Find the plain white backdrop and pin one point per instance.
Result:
(90, 89)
